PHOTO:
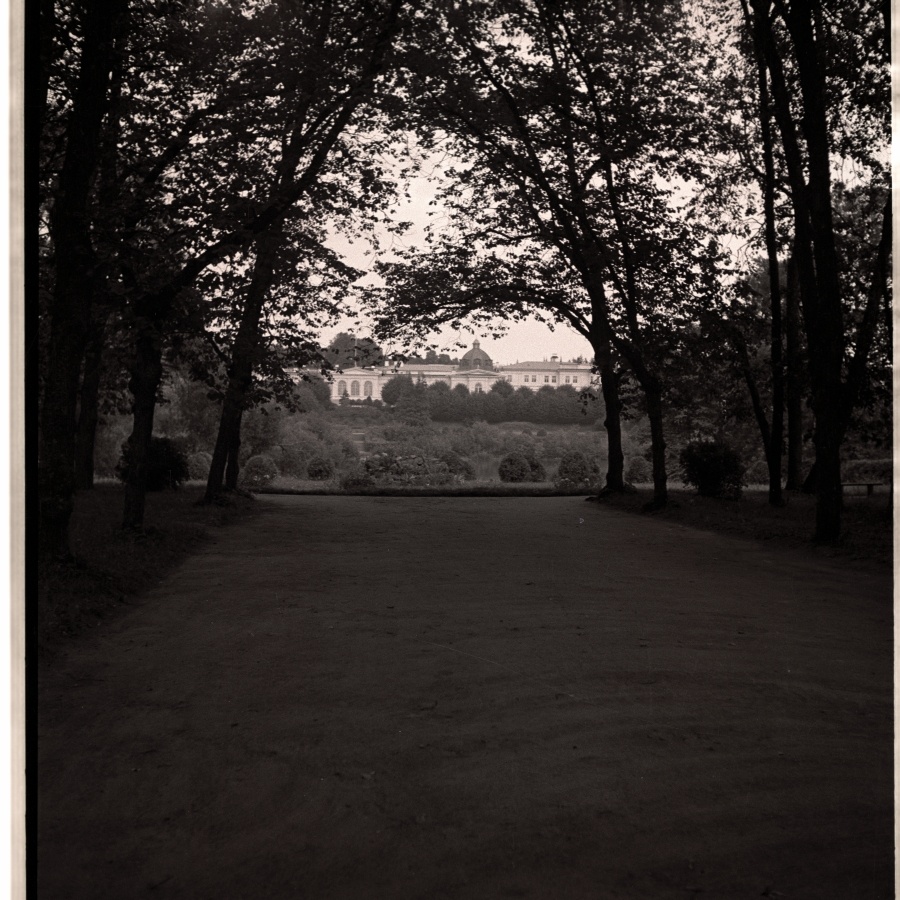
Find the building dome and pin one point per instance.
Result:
(476, 358)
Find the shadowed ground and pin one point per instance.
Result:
(474, 698)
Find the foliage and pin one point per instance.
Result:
(396, 388)
(198, 465)
(320, 468)
(577, 471)
(714, 468)
(167, 466)
(518, 467)
(460, 469)
(347, 350)
(259, 471)
(358, 480)
(416, 469)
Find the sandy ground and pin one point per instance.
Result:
(475, 698)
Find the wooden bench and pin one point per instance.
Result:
(868, 485)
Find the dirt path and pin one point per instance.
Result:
(475, 698)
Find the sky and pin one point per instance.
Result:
(523, 341)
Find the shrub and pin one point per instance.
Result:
(167, 466)
(198, 465)
(514, 467)
(713, 468)
(259, 471)
(538, 472)
(460, 469)
(415, 469)
(357, 481)
(320, 468)
(577, 468)
(638, 470)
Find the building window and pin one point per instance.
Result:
(534, 377)
(367, 388)
(574, 379)
(477, 387)
(546, 379)
(567, 379)
(554, 379)
(342, 389)
(354, 388)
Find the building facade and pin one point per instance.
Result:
(476, 371)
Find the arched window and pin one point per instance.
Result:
(354, 388)
(477, 387)
(367, 388)
(342, 389)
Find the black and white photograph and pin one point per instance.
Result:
(458, 450)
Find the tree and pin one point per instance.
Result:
(346, 350)
(74, 258)
(827, 73)
(565, 150)
(396, 388)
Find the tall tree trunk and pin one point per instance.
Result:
(774, 439)
(240, 372)
(810, 178)
(794, 381)
(653, 395)
(651, 387)
(232, 467)
(615, 466)
(759, 413)
(74, 279)
(146, 375)
(88, 414)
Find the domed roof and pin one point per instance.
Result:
(476, 358)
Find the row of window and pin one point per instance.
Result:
(354, 388)
(551, 379)
(367, 385)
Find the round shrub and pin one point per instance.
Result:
(320, 468)
(259, 471)
(167, 466)
(198, 465)
(713, 468)
(575, 466)
(514, 467)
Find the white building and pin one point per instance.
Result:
(476, 371)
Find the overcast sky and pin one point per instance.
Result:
(523, 341)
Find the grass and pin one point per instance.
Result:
(111, 567)
(867, 522)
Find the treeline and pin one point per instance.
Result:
(417, 402)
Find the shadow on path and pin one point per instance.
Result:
(474, 698)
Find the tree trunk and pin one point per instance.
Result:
(652, 389)
(794, 383)
(232, 468)
(615, 466)
(74, 276)
(88, 415)
(146, 375)
(653, 395)
(774, 438)
(240, 373)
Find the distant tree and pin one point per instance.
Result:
(346, 350)
(394, 389)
